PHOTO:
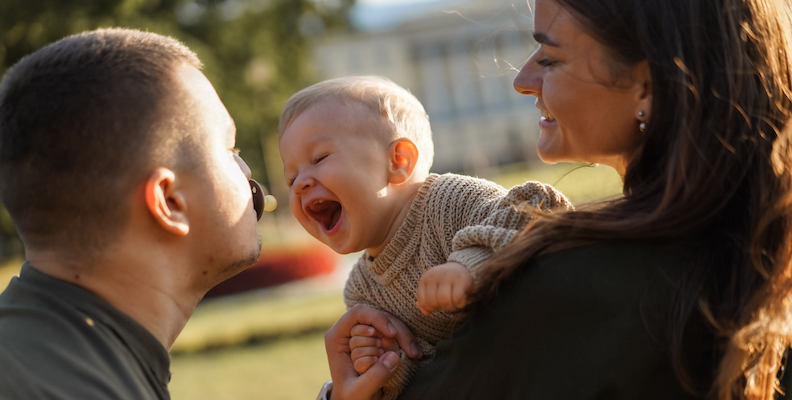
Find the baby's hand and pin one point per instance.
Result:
(367, 346)
(444, 287)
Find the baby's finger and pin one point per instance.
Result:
(430, 298)
(363, 341)
(364, 363)
(421, 308)
(421, 295)
(366, 352)
(459, 297)
(363, 330)
(444, 297)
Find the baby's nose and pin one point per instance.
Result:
(302, 184)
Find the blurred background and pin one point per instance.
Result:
(259, 335)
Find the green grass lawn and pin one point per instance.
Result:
(7, 271)
(287, 369)
(580, 184)
(258, 316)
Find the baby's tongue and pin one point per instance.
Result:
(328, 214)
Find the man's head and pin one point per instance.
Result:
(93, 120)
(355, 150)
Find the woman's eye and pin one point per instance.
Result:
(290, 182)
(545, 62)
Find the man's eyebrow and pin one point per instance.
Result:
(544, 39)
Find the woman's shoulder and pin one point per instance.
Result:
(621, 253)
(610, 272)
(594, 316)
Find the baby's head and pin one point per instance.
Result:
(355, 151)
(400, 113)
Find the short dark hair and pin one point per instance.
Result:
(80, 121)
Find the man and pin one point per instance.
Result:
(118, 167)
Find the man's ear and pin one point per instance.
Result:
(166, 204)
(403, 159)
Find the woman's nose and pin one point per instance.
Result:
(529, 79)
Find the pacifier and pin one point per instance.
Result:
(261, 201)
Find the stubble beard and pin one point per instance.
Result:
(243, 263)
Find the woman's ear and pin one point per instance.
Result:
(403, 159)
(643, 79)
(166, 204)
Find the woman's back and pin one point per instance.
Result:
(580, 323)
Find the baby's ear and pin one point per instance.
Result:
(403, 159)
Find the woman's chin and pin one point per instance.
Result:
(547, 153)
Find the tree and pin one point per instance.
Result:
(255, 53)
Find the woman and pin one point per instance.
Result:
(680, 289)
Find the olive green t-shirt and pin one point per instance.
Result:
(60, 341)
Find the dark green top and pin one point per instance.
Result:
(60, 341)
(584, 323)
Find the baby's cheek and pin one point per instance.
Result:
(296, 208)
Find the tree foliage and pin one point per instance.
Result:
(255, 52)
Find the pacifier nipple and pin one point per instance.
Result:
(270, 203)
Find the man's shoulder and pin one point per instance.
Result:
(41, 346)
(51, 349)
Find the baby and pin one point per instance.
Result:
(357, 153)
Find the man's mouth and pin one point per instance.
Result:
(327, 212)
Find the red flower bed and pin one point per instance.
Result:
(276, 267)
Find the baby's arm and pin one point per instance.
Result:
(446, 287)
(502, 219)
(367, 344)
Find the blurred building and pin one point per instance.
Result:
(459, 59)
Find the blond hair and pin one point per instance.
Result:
(405, 114)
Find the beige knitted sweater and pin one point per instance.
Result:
(453, 218)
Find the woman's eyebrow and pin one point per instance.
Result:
(544, 39)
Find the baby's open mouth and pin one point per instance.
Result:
(327, 212)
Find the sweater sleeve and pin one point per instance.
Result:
(502, 219)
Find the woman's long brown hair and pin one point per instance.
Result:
(714, 168)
